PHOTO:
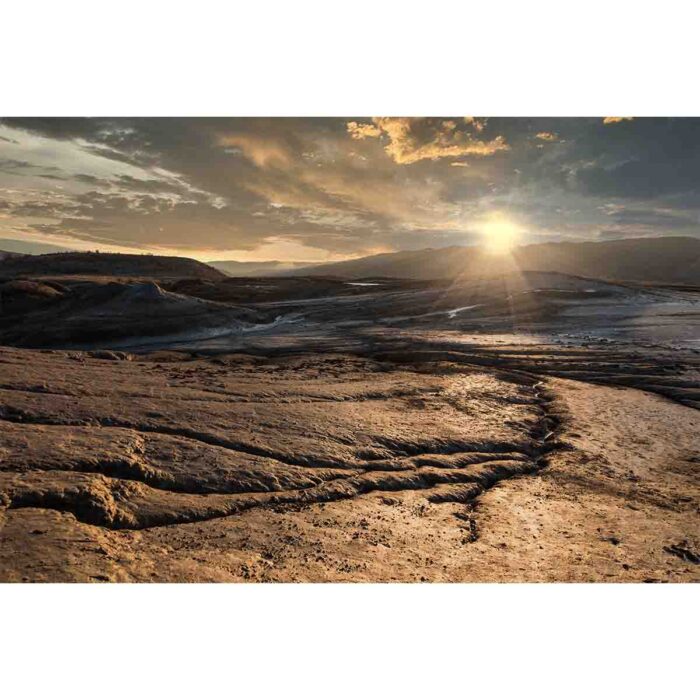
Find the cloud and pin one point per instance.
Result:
(414, 139)
(479, 124)
(337, 186)
(298, 178)
(264, 151)
(643, 177)
(546, 136)
(615, 120)
(656, 218)
(11, 165)
(363, 131)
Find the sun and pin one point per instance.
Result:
(500, 234)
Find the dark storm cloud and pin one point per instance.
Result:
(640, 159)
(347, 186)
(58, 127)
(643, 177)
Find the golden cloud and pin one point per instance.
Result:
(547, 136)
(413, 139)
(615, 120)
(363, 131)
(264, 152)
(478, 124)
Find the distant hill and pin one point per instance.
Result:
(7, 254)
(159, 267)
(265, 268)
(670, 260)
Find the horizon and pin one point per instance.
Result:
(323, 190)
(478, 245)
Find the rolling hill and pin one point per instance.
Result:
(160, 267)
(670, 260)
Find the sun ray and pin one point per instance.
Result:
(500, 234)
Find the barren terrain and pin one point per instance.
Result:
(337, 468)
(537, 427)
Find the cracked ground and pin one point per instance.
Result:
(483, 464)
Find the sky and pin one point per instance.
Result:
(325, 189)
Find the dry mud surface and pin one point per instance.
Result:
(497, 461)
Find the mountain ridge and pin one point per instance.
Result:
(670, 259)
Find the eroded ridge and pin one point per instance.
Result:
(112, 461)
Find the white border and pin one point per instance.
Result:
(349, 641)
(315, 57)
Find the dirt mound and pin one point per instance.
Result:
(102, 315)
(28, 288)
(24, 296)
